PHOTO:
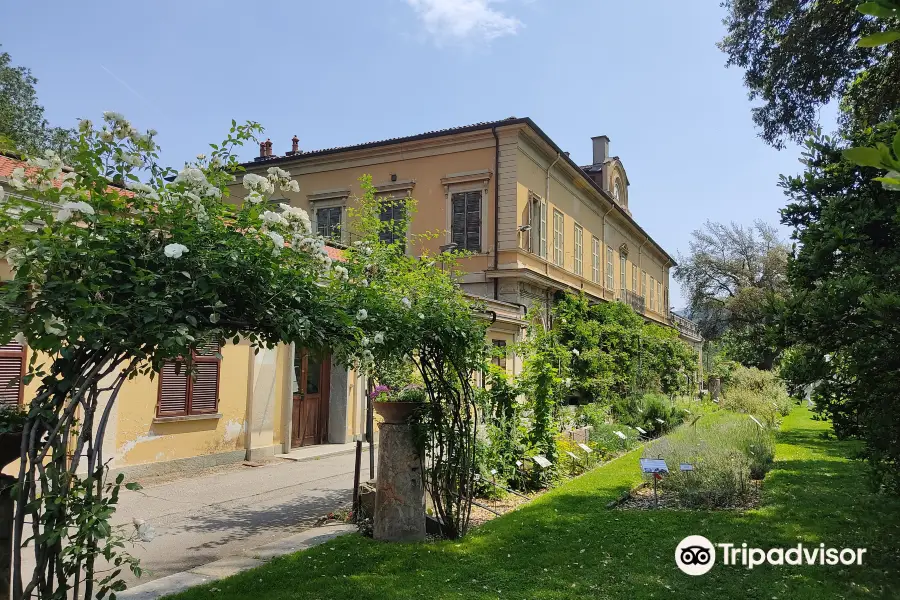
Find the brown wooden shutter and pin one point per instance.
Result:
(205, 383)
(173, 390)
(458, 221)
(465, 224)
(12, 369)
(182, 395)
(473, 221)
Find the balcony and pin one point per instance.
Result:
(685, 326)
(633, 299)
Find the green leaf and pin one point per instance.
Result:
(896, 144)
(865, 157)
(878, 39)
(876, 9)
(891, 181)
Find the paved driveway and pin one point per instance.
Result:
(201, 519)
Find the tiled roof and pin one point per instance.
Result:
(395, 140)
(8, 164)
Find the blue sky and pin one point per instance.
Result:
(648, 75)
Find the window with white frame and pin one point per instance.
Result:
(634, 277)
(465, 220)
(652, 294)
(595, 260)
(644, 285)
(579, 249)
(610, 284)
(537, 219)
(623, 264)
(559, 241)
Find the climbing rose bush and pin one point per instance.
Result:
(121, 264)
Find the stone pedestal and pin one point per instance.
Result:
(400, 494)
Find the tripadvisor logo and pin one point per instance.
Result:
(696, 555)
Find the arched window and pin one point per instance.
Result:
(617, 192)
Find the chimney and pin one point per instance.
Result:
(295, 147)
(601, 149)
(262, 149)
(268, 148)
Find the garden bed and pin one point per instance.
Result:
(641, 498)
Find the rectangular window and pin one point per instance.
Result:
(644, 285)
(537, 218)
(198, 394)
(579, 249)
(12, 370)
(658, 297)
(393, 219)
(328, 222)
(666, 298)
(623, 264)
(499, 358)
(465, 221)
(559, 242)
(634, 277)
(595, 260)
(652, 294)
(610, 284)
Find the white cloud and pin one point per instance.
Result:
(459, 19)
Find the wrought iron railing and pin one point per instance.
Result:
(635, 300)
(685, 325)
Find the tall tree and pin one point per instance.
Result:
(735, 280)
(845, 308)
(799, 55)
(22, 123)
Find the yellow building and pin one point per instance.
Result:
(534, 222)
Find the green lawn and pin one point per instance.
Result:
(567, 544)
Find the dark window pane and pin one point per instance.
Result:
(313, 375)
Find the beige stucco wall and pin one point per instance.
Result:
(578, 204)
(140, 440)
(425, 165)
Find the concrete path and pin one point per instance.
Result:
(204, 519)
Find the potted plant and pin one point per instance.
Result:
(398, 407)
(12, 421)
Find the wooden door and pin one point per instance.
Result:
(310, 409)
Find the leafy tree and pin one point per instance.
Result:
(799, 55)
(845, 307)
(735, 281)
(22, 123)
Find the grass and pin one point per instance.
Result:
(567, 544)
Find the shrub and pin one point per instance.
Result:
(727, 450)
(647, 411)
(607, 444)
(759, 393)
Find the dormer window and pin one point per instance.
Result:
(617, 192)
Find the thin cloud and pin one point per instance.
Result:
(123, 82)
(461, 19)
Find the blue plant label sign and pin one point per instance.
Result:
(654, 465)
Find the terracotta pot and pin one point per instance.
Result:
(10, 447)
(397, 413)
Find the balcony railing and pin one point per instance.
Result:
(633, 299)
(685, 326)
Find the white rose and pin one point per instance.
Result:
(362, 314)
(175, 250)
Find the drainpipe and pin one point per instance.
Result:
(547, 200)
(496, 212)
